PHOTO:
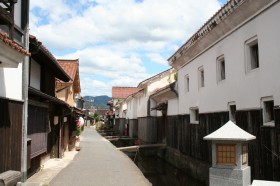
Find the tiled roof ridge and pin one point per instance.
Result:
(68, 60)
(12, 44)
(122, 87)
(133, 94)
(211, 23)
(155, 76)
(48, 52)
(42, 46)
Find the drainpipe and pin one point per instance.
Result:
(25, 82)
(173, 88)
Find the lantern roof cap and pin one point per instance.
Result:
(230, 132)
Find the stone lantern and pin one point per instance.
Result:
(230, 156)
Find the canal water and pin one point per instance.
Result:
(160, 172)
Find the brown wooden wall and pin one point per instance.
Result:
(37, 129)
(188, 138)
(10, 135)
(147, 129)
(48, 81)
(117, 124)
(264, 152)
(133, 128)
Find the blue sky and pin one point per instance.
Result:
(118, 42)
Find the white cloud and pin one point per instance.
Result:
(95, 88)
(113, 38)
(115, 68)
(157, 58)
(119, 22)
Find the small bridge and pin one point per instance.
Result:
(136, 148)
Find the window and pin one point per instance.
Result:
(221, 69)
(226, 154)
(268, 111)
(194, 115)
(232, 111)
(252, 53)
(35, 75)
(244, 154)
(187, 83)
(201, 77)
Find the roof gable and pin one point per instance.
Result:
(71, 67)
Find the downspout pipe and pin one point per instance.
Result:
(25, 83)
(173, 88)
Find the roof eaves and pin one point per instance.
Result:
(50, 55)
(42, 49)
(12, 44)
(153, 77)
(219, 16)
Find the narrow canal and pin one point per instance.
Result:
(158, 171)
(161, 173)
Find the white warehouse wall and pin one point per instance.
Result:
(129, 113)
(11, 82)
(172, 108)
(152, 85)
(244, 88)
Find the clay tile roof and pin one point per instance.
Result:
(41, 53)
(69, 66)
(123, 92)
(12, 44)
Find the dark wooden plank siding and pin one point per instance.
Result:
(37, 129)
(133, 128)
(264, 152)
(48, 81)
(188, 138)
(117, 124)
(161, 130)
(122, 125)
(10, 135)
(147, 129)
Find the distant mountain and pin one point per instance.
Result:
(96, 101)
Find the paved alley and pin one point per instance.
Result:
(99, 163)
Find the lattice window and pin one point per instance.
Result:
(244, 154)
(226, 154)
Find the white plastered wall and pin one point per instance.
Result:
(244, 88)
(154, 84)
(11, 82)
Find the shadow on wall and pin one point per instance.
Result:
(2, 83)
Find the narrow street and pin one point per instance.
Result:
(99, 163)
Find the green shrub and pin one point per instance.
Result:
(79, 131)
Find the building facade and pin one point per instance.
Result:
(228, 71)
(14, 16)
(136, 110)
